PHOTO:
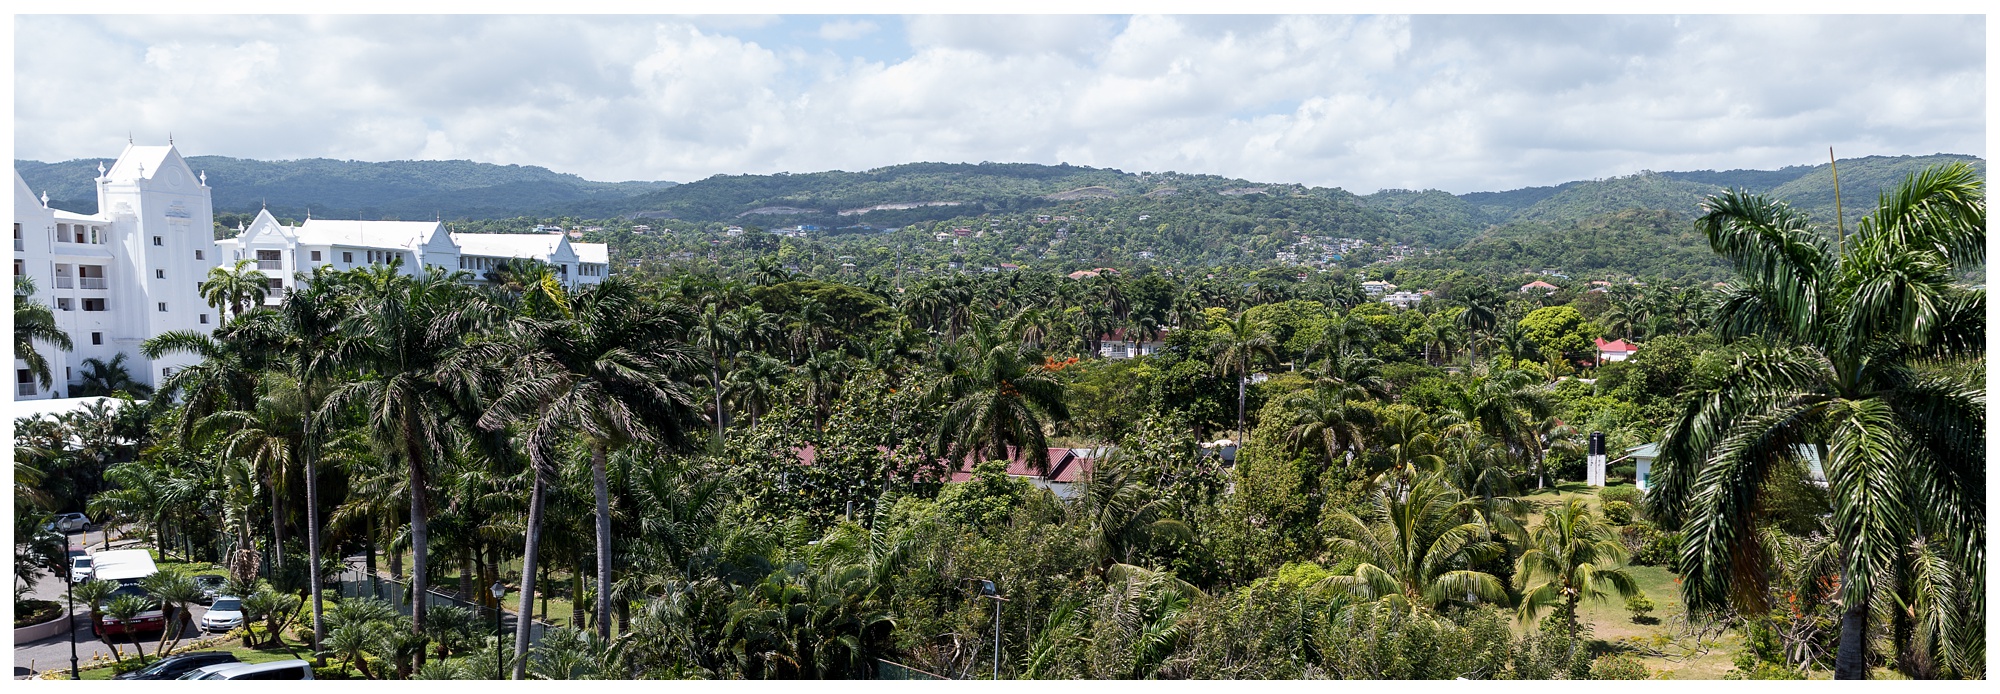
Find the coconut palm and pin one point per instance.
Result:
(1329, 422)
(1505, 406)
(34, 322)
(610, 368)
(1480, 315)
(236, 288)
(1570, 557)
(1124, 515)
(412, 338)
(1236, 350)
(1861, 349)
(1416, 548)
(998, 395)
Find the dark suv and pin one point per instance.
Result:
(173, 666)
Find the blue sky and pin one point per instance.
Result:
(1461, 103)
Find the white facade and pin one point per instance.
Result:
(281, 251)
(125, 274)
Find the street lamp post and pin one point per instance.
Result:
(499, 665)
(987, 589)
(69, 593)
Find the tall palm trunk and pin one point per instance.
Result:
(277, 526)
(1850, 662)
(603, 492)
(312, 547)
(420, 534)
(1242, 382)
(715, 377)
(576, 613)
(530, 560)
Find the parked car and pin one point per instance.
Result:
(275, 670)
(211, 586)
(80, 569)
(67, 523)
(224, 614)
(173, 666)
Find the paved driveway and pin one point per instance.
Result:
(53, 653)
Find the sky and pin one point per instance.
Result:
(1454, 102)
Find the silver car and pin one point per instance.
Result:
(225, 614)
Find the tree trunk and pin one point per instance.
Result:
(545, 593)
(277, 527)
(1242, 382)
(530, 560)
(576, 612)
(312, 554)
(1851, 661)
(603, 492)
(420, 537)
(715, 378)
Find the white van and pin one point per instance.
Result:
(274, 670)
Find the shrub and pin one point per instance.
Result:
(1618, 513)
(1640, 606)
(1660, 549)
(32, 611)
(1626, 493)
(1618, 666)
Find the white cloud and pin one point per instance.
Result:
(1462, 103)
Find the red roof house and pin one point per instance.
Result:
(1615, 350)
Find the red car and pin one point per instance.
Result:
(154, 619)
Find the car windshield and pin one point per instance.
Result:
(83, 561)
(227, 605)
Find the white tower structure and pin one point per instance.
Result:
(127, 273)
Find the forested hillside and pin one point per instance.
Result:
(368, 190)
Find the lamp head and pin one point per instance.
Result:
(498, 590)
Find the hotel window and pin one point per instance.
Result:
(93, 304)
(204, 319)
(63, 304)
(197, 255)
(315, 256)
(17, 267)
(97, 338)
(163, 307)
(166, 372)
(276, 282)
(347, 257)
(157, 242)
(159, 274)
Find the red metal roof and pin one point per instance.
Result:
(1616, 346)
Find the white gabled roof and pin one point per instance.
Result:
(592, 253)
(538, 246)
(131, 161)
(348, 232)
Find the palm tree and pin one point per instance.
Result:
(607, 368)
(1416, 549)
(107, 378)
(34, 322)
(1571, 557)
(175, 589)
(268, 437)
(1327, 420)
(126, 608)
(1867, 360)
(753, 384)
(1481, 315)
(412, 338)
(1124, 514)
(235, 288)
(1241, 343)
(1505, 406)
(94, 594)
(998, 395)
(716, 336)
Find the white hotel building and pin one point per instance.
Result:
(133, 270)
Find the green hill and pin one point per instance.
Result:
(360, 189)
(1633, 242)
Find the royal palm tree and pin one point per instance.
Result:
(1570, 557)
(608, 368)
(1480, 315)
(1860, 350)
(413, 339)
(1236, 351)
(235, 288)
(1416, 548)
(34, 322)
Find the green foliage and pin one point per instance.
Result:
(987, 500)
(1624, 493)
(1618, 666)
(1561, 329)
(1618, 512)
(1641, 607)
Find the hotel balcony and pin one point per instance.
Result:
(91, 283)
